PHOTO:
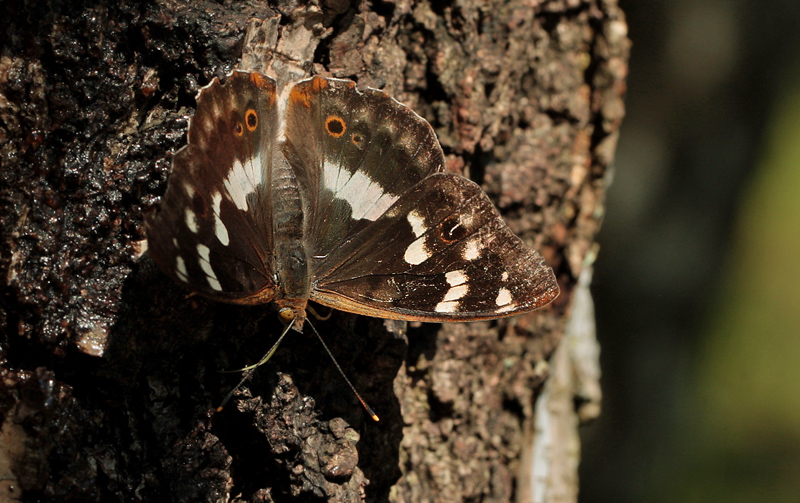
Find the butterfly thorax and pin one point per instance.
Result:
(290, 256)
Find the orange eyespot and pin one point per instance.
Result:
(238, 129)
(251, 120)
(357, 140)
(335, 126)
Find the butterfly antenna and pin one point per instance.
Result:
(353, 388)
(250, 369)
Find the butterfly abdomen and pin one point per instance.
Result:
(290, 251)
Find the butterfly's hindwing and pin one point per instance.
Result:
(213, 231)
(440, 253)
(354, 154)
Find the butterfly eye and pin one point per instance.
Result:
(251, 119)
(238, 129)
(335, 126)
(286, 315)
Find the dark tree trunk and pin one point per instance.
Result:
(110, 371)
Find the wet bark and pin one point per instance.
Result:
(111, 372)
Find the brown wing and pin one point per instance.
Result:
(213, 230)
(440, 253)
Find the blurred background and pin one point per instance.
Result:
(697, 285)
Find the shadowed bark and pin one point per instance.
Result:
(110, 371)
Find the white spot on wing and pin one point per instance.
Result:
(507, 308)
(503, 297)
(456, 293)
(417, 223)
(366, 198)
(417, 253)
(472, 250)
(216, 202)
(180, 268)
(205, 264)
(244, 179)
(455, 278)
(447, 307)
(222, 232)
(219, 227)
(191, 221)
(504, 276)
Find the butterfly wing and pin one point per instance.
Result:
(213, 231)
(354, 155)
(462, 262)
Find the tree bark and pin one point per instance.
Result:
(111, 372)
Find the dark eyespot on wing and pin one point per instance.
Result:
(251, 118)
(335, 126)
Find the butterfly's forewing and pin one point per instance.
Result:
(354, 155)
(213, 231)
(440, 253)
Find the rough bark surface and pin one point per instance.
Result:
(110, 371)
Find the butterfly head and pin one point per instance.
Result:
(292, 312)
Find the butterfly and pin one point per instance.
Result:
(326, 193)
